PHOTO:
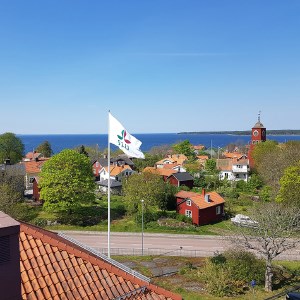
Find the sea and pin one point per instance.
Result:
(69, 141)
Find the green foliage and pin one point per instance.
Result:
(66, 181)
(11, 203)
(290, 186)
(211, 166)
(82, 150)
(185, 148)
(251, 186)
(45, 149)
(230, 273)
(145, 186)
(11, 147)
(261, 150)
(265, 193)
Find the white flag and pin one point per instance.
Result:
(120, 137)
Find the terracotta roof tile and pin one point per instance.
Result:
(54, 268)
(199, 200)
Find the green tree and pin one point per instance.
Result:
(82, 150)
(289, 192)
(66, 181)
(11, 147)
(211, 166)
(45, 149)
(185, 148)
(271, 160)
(145, 186)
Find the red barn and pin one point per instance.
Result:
(182, 178)
(204, 208)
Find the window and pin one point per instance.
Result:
(97, 164)
(218, 210)
(188, 202)
(188, 213)
(31, 179)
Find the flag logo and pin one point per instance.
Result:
(123, 136)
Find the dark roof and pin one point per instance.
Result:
(122, 157)
(258, 124)
(183, 176)
(113, 183)
(13, 170)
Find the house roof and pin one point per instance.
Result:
(13, 170)
(56, 268)
(199, 200)
(113, 183)
(123, 157)
(171, 166)
(34, 166)
(33, 155)
(199, 147)
(224, 164)
(173, 159)
(116, 170)
(183, 176)
(203, 157)
(160, 171)
(233, 155)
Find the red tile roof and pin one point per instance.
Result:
(34, 166)
(160, 171)
(55, 268)
(199, 200)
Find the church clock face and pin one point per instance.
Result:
(255, 132)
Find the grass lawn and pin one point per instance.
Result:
(186, 283)
(93, 217)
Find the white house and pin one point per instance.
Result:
(233, 169)
(116, 172)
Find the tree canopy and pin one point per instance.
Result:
(289, 191)
(185, 148)
(66, 181)
(145, 186)
(271, 159)
(11, 147)
(45, 149)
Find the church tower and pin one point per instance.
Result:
(258, 135)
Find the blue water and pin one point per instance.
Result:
(62, 141)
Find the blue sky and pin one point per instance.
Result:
(159, 65)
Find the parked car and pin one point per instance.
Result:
(292, 296)
(242, 220)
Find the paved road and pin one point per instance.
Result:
(185, 245)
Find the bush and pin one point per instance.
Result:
(230, 273)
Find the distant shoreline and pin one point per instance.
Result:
(247, 132)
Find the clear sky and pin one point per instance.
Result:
(158, 65)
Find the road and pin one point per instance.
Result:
(160, 244)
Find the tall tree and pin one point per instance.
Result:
(66, 181)
(272, 159)
(145, 186)
(289, 192)
(273, 235)
(45, 149)
(83, 151)
(11, 147)
(185, 148)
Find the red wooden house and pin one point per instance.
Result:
(204, 208)
(181, 178)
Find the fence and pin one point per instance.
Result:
(156, 252)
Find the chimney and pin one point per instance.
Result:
(10, 275)
(203, 192)
(7, 161)
(206, 197)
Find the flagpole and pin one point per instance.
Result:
(108, 192)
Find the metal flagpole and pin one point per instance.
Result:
(108, 192)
